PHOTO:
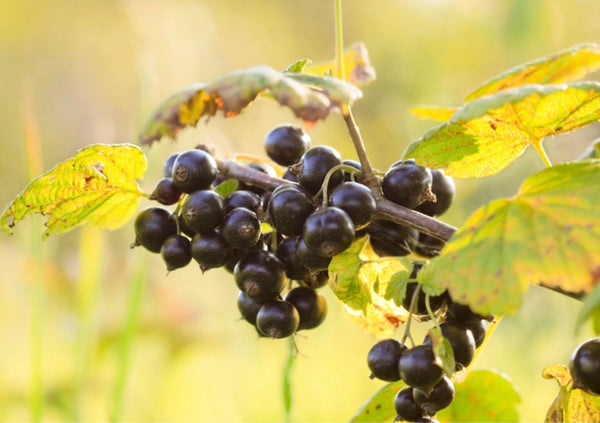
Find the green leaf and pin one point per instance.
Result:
(357, 66)
(565, 66)
(370, 287)
(442, 350)
(489, 133)
(227, 187)
(549, 234)
(97, 186)
(483, 396)
(297, 66)
(590, 310)
(380, 407)
(310, 100)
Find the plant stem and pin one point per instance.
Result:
(339, 41)
(542, 153)
(287, 376)
(368, 175)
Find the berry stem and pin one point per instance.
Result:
(325, 185)
(368, 175)
(542, 153)
(413, 305)
(339, 41)
(431, 313)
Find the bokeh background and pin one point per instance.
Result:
(77, 72)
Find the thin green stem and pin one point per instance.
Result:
(127, 338)
(431, 313)
(325, 184)
(287, 378)
(37, 314)
(339, 41)
(411, 310)
(542, 153)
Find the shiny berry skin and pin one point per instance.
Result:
(176, 252)
(478, 328)
(328, 231)
(242, 198)
(289, 207)
(152, 226)
(241, 228)
(310, 259)
(355, 165)
(585, 366)
(357, 201)
(436, 302)
(285, 144)
(392, 239)
(311, 306)
(248, 307)
(260, 274)
(210, 250)
(419, 367)
(444, 189)
(407, 184)
(462, 343)
(316, 280)
(286, 252)
(168, 166)
(277, 319)
(440, 397)
(315, 164)
(383, 359)
(194, 170)
(406, 407)
(462, 313)
(203, 210)
(165, 192)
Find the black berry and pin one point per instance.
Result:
(194, 170)
(383, 359)
(315, 164)
(248, 307)
(286, 144)
(328, 231)
(286, 252)
(203, 210)
(309, 258)
(311, 306)
(152, 226)
(241, 228)
(277, 319)
(357, 201)
(289, 207)
(440, 397)
(168, 166)
(392, 239)
(242, 198)
(210, 250)
(444, 189)
(165, 192)
(585, 366)
(406, 407)
(260, 275)
(462, 343)
(407, 184)
(176, 252)
(420, 368)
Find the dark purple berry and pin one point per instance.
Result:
(383, 359)
(210, 250)
(152, 226)
(289, 207)
(176, 252)
(314, 166)
(165, 192)
(357, 201)
(461, 340)
(194, 170)
(242, 198)
(585, 366)
(277, 319)
(285, 144)
(328, 231)
(420, 368)
(311, 306)
(241, 228)
(406, 407)
(407, 184)
(260, 274)
(440, 397)
(248, 307)
(203, 210)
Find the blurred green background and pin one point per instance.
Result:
(91, 71)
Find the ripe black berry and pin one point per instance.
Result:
(210, 250)
(315, 164)
(152, 226)
(310, 259)
(289, 207)
(435, 302)
(286, 144)
(462, 343)
(194, 170)
(478, 328)
(383, 359)
(286, 252)
(357, 201)
(260, 275)
(277, 319)
(406, 407)
(165, 192)
(444, 189)
(242, 198)
(420, 368)
(176, 252)
(248, 307)
(168, 166)
(392, 239)
(440, 397)
(328, 231)
(241, 228)
(407, 184)
(311, 306)
(316, 279)
(585, 366)
(203, 210)
(351, 163)
(462, 313)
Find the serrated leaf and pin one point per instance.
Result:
(564, 66)
(380, 407)
(440, 114)
(489, 133)
(549, 234)
(227, 187)
(361, 280)
(590, 309)
(582, 407)
(483, 396)
(97, 186)
(297, 66)
(357, 66)
(442, 350)
(310, 100)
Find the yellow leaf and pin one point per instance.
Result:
(357, 66)
(439, 114)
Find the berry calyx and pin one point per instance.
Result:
(443, 188)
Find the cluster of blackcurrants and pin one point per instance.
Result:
(429, 388)
(585, 366)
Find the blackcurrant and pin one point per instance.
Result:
(242, 198)
(203, 210)
(357, 201)
(351, 163)
(165, 192)
(444, 189)
(406, 407)
(328, 231)
(478, 328)
(311, 306)
(168, 166)
(286, 252)
(383, 359)
(316, 280)
(435, 302)
(440, 396)
(260, 274)
(248, 307)
(210, 250)
(152, 226)
(585, 366)
(461, 340)
(462, 313)
(310, 259)
(315, 164)
(194, 170)
(285, 144)
(176, 252)
(277, 319)
(420, 368)
(241, 228)
(407, 184)
(392, 239)
(290, 176)
(289, 207)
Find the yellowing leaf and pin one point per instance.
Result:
(310, 99)
(590, 309)
(357, 66)
(97, 186)
(380, 407)
(366, 284)
(592, 152)
(440, 114)
(549, 234)
(487, 134)
(565, 66)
